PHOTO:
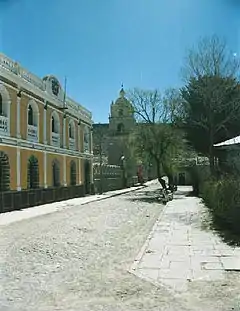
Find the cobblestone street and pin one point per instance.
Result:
(79, 259)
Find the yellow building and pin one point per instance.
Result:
(45, 137)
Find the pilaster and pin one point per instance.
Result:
(18, 169)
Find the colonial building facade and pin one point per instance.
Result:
(45, 137)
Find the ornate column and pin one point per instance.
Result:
(91, 140)
(45, 169)
(64, 131)
(18, 133)
(64, 172)
(79, 171)
(18, 169)
(38, 127)
(79, 136)
(45, 124)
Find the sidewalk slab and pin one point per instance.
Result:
(181, 252)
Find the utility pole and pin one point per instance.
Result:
(123, 161)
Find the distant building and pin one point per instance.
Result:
(114, 136)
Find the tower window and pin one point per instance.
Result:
(120, 128)
(120, 112)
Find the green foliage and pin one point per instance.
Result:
(211, 111)
(199, 175)
(210, 98)
(222, 197)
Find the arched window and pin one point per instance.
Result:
(33, 173)
(71, 129)
(5, 104)
(86, 136)
(1, 105)
(73, 173)
(120, 112)
(32, 121)
(120, 128)
(4, 172)
(55, 129)
(56, 173)
(53, 125)
(30, 115)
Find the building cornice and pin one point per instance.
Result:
(15, 75)
(42, 102)
(15, 142)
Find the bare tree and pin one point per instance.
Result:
(155, 135)
(211, 95)
(211, 57)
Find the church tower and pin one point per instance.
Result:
(121, 126)
(121, 120)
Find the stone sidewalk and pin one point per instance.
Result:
(178, 251)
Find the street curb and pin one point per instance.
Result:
(50, 208)
(133, 267)
(114, 194)
(127, 190)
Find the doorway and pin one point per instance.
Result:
(182, 179)
(87, 180)
(4, 172)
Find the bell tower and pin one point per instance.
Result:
(121, 120)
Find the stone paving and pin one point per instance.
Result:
(78, 258)
(179, 252)
(40, 210)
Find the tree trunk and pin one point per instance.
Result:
(161, 181)
(170, 180)
(211, 158)
(211, 151)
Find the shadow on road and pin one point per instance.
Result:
(147, 196)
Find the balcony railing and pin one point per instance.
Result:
(4, 125)
(72, 143)
(32, 133)
(55, 139)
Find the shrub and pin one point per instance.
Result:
(222, 197)
(199, 175)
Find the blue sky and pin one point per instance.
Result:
(98, 44)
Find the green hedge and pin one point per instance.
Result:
(222, 197)
(199, 174)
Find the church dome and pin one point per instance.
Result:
(123, 101)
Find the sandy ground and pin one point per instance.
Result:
(78, 259)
